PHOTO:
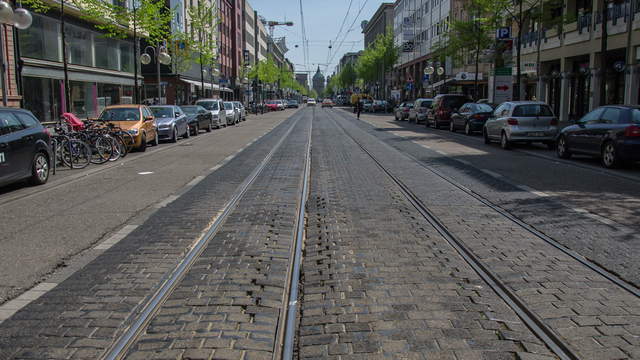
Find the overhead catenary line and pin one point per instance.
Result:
(347, 33)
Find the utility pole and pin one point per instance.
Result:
(603, 53)
(67, 102)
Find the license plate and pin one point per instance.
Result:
(538, 134)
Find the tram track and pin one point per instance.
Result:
(152, 304)
(537, 325)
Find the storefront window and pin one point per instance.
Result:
(126, 57)
(43, 97)
(79, 41)
(40, 40)
(106, 51)
(108, 94)
(83, 99)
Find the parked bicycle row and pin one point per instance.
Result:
(31, 151)
(611, 133)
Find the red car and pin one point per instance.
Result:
(272, 105)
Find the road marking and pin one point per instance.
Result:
(586, 213)
(464, 162)
(441, 152)
(533, 191)
(115, 238)
(165, 202)
(145, 173)
(216, 167)
(195, 180)
(491, 173)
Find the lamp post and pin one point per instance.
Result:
(160, 56)
(21, 19)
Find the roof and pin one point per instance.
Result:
(123, 106)
(383, 7)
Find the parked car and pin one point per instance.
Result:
(521, 121)
(379, 106)
(197, 118)
(241, 109)
(233, 115)
(292, 104)
(488, 102)
(138, 120)
(327, 103)
(214, 107)
(272, 105)
(311, 102)
(609, 132)
(470, 117)
(418, 112)
(443, 106)
(281, 105)
(171, 122)
(25, 151)
(367, 105)
(402, 111)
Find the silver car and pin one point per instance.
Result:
(241, 108)
(521, 121)
(418, 112)
(171, 121)
(216, 108)
(232, 113)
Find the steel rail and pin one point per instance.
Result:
(119, 348)
(535, 324)
(292, 301)
(614, 278)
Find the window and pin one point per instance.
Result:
(532, 110)
(26, 119)
(592, 117)
(106, 51)
(79, 40)
(11, 122)
(40, 40)
(126, 57)
(612, 116)
(120, 114)
(635, 116)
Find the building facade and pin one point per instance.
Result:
(348, 58)
(303, 79)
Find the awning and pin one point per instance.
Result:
(207, 85)
(442, 82)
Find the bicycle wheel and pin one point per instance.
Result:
(122, 146)
(116, 153)
(102, 149)
(74, 153)
(128, 139)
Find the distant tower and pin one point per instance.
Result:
(318, 82)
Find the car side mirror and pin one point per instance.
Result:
(177, 114)
(148, 118)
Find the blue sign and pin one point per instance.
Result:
(425, 78)
(503, 33)
(410, 86)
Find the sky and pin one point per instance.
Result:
(322, 20)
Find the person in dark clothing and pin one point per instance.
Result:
(359, 107)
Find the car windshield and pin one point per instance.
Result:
(426, 104)
(293, 102)
(209, 105)
(189, 110)
(409, 105)
(635, 116)
(532, 110)
(270, 102)
(483, 108)
(454, 101)
(120, 114)
(162, 112)
(228, 106)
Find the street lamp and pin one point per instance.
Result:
(21, 19)
(161, 57)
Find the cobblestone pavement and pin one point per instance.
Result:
(588, 210)
(82, 316)
(379, 282)
(597, 319)
(229, 303)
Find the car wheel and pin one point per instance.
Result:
(187, 134)
(610, 158)
(504, 141)
(396, 116)
(209, 127)
(40, 169)
(562, 149)
(467, 129)
(143, 143)
(452, 127)
(485, 136)
(174, 137)
(197, 130)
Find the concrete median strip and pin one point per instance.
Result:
(115, 238)
(11, 307)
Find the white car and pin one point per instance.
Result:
(311, 102)
(521, 121)
(232, 113)
(216, 108)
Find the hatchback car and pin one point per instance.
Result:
(281, 105)
(272, 105)
(138, 120)
(521, 121)
(327, 103)
(171, 121)
(470, 117)
(25, 151)
(241, 109)
(420, 109)
(232, 113)
(292, 104)
(197, 118)
(443, 106)
(609, 132)
(311, 102)
(215, 107)
(403, 110)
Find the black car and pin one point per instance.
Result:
(198, 118)
(470, 117)
(25, 151)
(292, 104)
(609, 132)
(443, 106)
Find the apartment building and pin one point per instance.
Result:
(379, 24)
(571, 68)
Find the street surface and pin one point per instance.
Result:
(418, 244)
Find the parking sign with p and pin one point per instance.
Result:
(503, 33)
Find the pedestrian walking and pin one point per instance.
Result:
(359, 107)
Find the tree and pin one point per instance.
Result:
(379, 58)
(203, 21)
(347, 76)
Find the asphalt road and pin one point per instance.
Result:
(44, 227)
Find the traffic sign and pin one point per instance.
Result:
(503, 33)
